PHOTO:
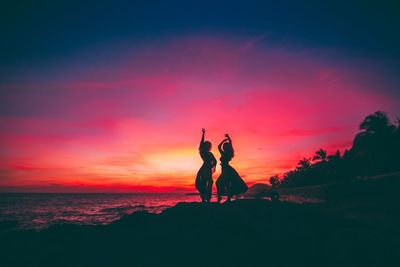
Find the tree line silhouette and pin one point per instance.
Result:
(375, 150)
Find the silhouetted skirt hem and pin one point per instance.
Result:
(230, 182)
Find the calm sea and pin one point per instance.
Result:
(39, 211)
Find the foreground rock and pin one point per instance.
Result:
(241, 233)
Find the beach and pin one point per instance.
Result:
(240, 233)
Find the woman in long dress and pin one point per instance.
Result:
(229, 182)
(204, 179)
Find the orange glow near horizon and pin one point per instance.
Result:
(133, 124)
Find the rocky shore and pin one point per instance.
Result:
(240, 233)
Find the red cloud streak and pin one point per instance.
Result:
(133, 124)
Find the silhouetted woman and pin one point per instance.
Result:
(229, 182)
(204, 179)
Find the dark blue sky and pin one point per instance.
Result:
(34, 31)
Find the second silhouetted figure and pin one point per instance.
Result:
(229, 182)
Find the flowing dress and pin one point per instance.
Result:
(229, 183)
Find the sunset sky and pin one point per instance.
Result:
(101, 96)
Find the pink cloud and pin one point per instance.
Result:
(137, 123)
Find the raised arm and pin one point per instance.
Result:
(229, 139)
(202, 137)
(220, 146)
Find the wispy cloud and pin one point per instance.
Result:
(136, 125)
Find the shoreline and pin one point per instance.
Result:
(241, 233)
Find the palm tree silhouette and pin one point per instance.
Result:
(375, 150)
(377, 123)
(320, 155)
(304, 164)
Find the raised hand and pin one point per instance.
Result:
(228, 138)
(203, 130)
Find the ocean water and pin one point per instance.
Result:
(39, 211)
